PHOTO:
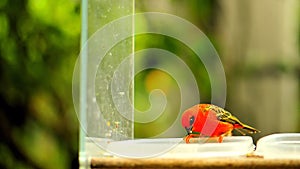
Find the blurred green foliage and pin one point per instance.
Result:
(151, 79)
(200, 13)
(38, 49)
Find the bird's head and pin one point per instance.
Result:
(188, 119)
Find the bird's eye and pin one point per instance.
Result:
(192, 119)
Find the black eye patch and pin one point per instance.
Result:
(192, 120)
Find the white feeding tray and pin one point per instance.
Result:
(283, 145)
(233, 146)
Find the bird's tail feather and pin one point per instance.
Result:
(249, 129)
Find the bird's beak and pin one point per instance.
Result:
(188, 130)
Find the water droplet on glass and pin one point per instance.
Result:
(115, 35)
(108, 134)
(117, 124)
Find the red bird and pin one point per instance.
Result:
(211, 121)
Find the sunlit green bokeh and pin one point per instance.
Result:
(39, 47)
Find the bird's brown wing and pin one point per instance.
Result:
(226, 116)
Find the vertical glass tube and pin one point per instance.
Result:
(82, 82)
(110, 48)
(106, 74)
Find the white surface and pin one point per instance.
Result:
(175, 148)
(282, 145)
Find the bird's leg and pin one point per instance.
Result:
(189, 136)
(221, 137)
(199, 138)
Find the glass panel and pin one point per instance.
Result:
(109, 80)
(106, 70)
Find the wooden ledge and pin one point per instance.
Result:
(163, 163)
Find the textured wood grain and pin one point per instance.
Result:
(160, 163)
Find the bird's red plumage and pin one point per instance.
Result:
(206, 121)
(212, 121)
